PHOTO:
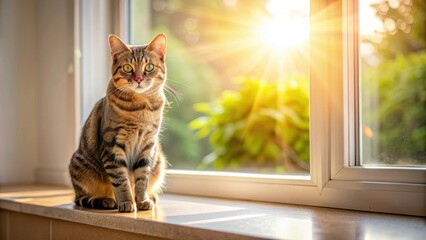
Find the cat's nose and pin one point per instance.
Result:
(138, 79)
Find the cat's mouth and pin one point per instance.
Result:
(141, 86)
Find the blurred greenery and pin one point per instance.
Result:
(401, 109)
(261, 126)
(395, 88)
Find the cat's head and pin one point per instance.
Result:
(138, 69)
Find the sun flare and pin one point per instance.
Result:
(286, 27)
(268, 41)
(283, 32)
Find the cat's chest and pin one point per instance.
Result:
(149, 117)
(137, 130)
(139, 140)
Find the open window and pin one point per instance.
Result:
(277, 100)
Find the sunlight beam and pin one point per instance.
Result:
(282, 32)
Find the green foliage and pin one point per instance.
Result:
(401, 105)
(260, 126)
(394, 91)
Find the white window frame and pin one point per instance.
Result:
(335, 181)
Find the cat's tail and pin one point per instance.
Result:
(97, 203)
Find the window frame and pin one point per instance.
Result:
(335, 180)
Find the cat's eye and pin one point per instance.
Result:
(149, 67)
(127, 68)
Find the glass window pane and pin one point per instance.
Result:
(393, 78)
(239, 70)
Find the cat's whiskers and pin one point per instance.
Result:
(175, 94)
(116, 90)
(173, 91)
(123, 91)
(178, 82)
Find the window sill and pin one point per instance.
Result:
(188, 217)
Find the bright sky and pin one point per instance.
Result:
(290, 15)
(368, 20)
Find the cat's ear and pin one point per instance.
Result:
(116, 45)
(158, 45)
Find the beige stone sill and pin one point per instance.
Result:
(187, 217)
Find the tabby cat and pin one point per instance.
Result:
(119, 160)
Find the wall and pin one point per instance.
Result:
(39, 93)
(56, 122)
(18, 91)
(37, 124)
(97, 23)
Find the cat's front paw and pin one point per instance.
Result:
(146, 204)
(108, 203)
(125, 206)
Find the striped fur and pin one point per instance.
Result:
(119, 161)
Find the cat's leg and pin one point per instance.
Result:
(116, 167)
(90, 190)
(141, 170)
